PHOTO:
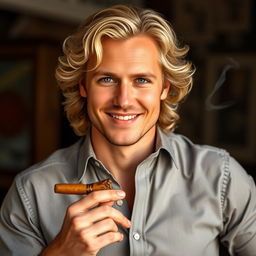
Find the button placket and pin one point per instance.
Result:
(137, 243)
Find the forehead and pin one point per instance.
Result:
(132, 52)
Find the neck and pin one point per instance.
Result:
(122, 160)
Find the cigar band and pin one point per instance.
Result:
(89, 188)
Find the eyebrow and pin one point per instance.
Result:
(106, 73)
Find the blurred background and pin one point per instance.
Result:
(220, 110)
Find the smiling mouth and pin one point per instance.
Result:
(124, 118)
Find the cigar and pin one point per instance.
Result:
(81, 189)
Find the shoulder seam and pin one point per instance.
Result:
(26, 202)
(225, 180)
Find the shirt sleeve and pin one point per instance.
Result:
(239, 213)
(19, 233)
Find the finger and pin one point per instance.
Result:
(101, 227)
(106, 211)
(109, 238)
(80, 219)
(93, 200)
(98, 214)
(94, 244)
(106, 196)
(110, 203)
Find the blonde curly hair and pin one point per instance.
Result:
(122, 22)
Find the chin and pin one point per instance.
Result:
(124, 142)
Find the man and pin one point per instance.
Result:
(123, 75)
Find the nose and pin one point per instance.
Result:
(123, 95)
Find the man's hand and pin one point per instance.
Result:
(89, 225)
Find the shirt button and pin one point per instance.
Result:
(136, 236)
(119, 202)
(97, 164)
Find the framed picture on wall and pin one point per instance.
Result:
(230, 121)
(29, 106)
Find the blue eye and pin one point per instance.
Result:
(141, 80)
(106, 80)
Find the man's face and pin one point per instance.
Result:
(124, 92)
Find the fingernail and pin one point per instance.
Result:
(120, 193)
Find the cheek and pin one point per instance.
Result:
(151, 99)
(93, 103)
(96, 99)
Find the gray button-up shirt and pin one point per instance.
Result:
(188, 199)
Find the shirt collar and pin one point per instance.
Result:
(85, 154)
(163, 142)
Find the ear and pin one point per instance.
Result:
(82, 88)
(165, 90)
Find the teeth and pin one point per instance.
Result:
(123, 117)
